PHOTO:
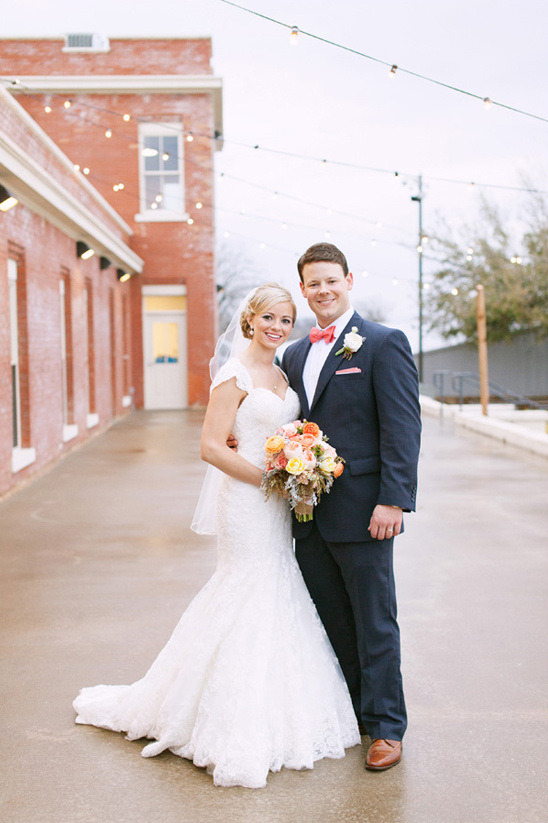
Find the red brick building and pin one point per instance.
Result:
(108, 145)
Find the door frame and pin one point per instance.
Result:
(163, 291)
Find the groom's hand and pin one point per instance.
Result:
(231, 442)
(385, 522)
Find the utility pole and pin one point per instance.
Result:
(418, 199)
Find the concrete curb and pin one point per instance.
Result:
(511, 433)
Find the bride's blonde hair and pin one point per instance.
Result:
(262, 299)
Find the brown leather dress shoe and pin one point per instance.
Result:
(383, 754)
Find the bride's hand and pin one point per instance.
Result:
(231, 442)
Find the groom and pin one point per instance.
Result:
(362, 390)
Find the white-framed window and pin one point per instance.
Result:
(20, 457)
(161, 172)
(14, 352)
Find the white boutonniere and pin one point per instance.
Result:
(352, 343)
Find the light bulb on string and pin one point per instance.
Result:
(424, 239)
(47, 109)
(165, 156)
(126, 117)
(470, 250)
(85, 170)
(154, 205)
(189, 137)
(487, 103)
(420, 249)
(294, 36)
(76, 167)
(67, 104)
(158, 198)
(108, 133)
(454, 292)
(199, 205)
(392, 72)
(190, 221)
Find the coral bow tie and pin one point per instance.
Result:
(327, 334)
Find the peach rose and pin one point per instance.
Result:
(293, 449)
(274, 444)
(311, 428)
(281, 461)
(308, 440)
(289, 429)
(329, 451)
(308, 459)
(338, 470)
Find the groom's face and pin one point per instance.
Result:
(326, 290)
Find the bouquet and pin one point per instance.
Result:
(300, 465)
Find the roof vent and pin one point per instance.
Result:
(86, 42)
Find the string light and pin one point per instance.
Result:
(108, 133)
(126, 117)
(454, 292)
(396, 174)
(199, 205)
(294, 36)
(47, 109)
(190, 221)
(76, 167)
(487, 103)
(67, 104)
(385, 62)
(85, 170)
(189, 137)
(392, 72)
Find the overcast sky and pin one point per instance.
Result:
(320, 102)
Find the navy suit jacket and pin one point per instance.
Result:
(372, 419)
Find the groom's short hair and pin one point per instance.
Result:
(322, 253)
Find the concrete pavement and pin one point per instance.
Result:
(97, 563)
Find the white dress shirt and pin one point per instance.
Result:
(318, 355)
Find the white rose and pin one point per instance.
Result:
(353, 340)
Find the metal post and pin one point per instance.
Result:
(418, 199)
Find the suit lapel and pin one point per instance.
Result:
(333, 361)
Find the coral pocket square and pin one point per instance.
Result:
(349, 371)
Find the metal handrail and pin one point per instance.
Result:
(458, 379)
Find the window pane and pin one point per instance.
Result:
(165, 342)
(173, 195)
(170, 153)
(153, 192)
(151, 144)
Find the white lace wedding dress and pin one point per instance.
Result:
(248, 681)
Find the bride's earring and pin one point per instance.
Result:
(251, 330)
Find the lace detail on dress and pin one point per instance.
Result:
(233, 368)
(248, 682)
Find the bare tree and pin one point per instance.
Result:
(236, 276)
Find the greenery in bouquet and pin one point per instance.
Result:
(300, 465)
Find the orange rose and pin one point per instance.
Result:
(311, 428)
(339, 470)
(274, 444)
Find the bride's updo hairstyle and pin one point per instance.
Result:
(261, 300)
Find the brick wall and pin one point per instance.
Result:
(174, 252)
(45, 255)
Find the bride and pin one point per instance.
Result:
(248, 682)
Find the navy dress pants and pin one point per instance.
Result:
(352, 586)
